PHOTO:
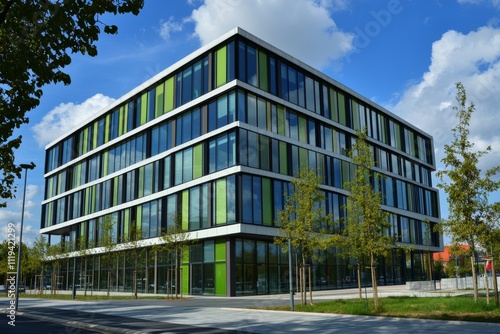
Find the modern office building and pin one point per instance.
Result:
(213, 141)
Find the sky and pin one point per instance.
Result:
(405, 55)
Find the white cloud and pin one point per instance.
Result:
(166, 28)
(304, 28)
(13, 215)
(67, 116)
(474, 60)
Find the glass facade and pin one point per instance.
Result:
(215, 143)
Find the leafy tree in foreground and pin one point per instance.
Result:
(366, 224)
(303, 221)
(134, 250)
(469, 216)
(38, 37)
(175, 240)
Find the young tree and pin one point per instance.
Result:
(174, 241)
(107, 240)
(38, 37)
(303, 222)
(132, 248)
(36, 259)
(366, 232)
(466, 187)
(56, 257)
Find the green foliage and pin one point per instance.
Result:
(302, 219)
(470, 215)
(367, 227)
(38, 37)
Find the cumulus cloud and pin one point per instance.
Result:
(305, 29)
(167, 28)
(474, 60)
(12, 214)
(67, 116)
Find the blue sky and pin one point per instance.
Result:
(405, 55)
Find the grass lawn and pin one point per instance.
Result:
(441, 308)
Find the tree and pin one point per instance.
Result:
(36, 259)
(174, 241)
(466, 187)
(303, 222)
(107, 240)
(55, 255)
(367, 227)
(133, 249)
(38, 37)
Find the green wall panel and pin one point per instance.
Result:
(198, 161)
(144, 108)
(169, 94)
(220, 250)
(221, 76)
(220, 279)
(221, 203)
(160, 100)
(185, 210)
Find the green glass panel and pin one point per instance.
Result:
(185, 210)
(107, 127)
(333, 103)
(85, 140)
(169, 94)
(95, 134)
(221, 77)
(267, 209)
(302, 129)
(141, 182)
(115, 191)
(198, 161)
(220, 279)
(302, 157)
(283, 158)
(342, 109)
(92, 200)
(269, 118)
(220, 206)
(122, 121)
(355, 115)
(126, 222)
(138, 219)
(159, 100)
(263, 71)
(264, 152)
(144, 108)
(220, 250)
(281, 120)
(105, 161)
(383, 129)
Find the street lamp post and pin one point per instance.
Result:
(18, 276)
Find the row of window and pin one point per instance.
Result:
(257, 68)
(245, 198)
(219, 153)
(220, 112)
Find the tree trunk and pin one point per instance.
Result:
(359, 282)
(310, 286)
(495, 284)
(303, 297)
(109, 281)
(474, 276)
(486, 285)
(374, 282)
(176, 274)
